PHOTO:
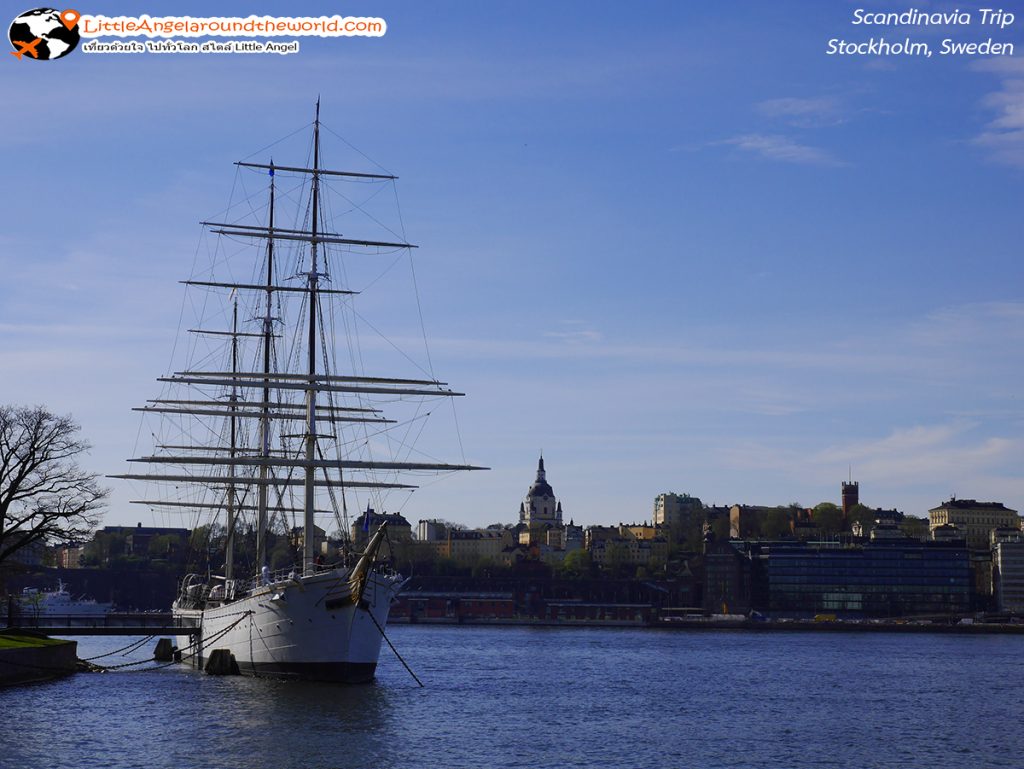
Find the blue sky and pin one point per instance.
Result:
(677, 248)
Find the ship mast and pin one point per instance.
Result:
(285, 386)
(308, 540)
(268, 333)
(229, 545)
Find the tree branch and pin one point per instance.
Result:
(44, 494)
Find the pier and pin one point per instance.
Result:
(111, 624)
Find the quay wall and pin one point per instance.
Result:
(28, 664)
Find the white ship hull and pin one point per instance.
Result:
(306, 627)
(60, 603)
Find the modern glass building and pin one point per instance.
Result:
(889, 578)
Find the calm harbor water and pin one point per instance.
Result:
(552, 697)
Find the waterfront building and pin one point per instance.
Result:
(947, 532)
(632, 552)
(471, 545)
(446, 540)
(573, 537)
(1008, 573)
(32, 554)
(549, 554)
(728, 577)
(673, 509)
(517, 553)
(438, 606)
(974, 519)
(716, 512)
(885, 578)
(627, 550)
(981, 570)
(432, 536)
(594, 534)
(803, 526)
(717, 516)
(554, 538)
(366, 525)
(886, 526)
(70, 556)
(639, 530)
(432, 530)
(743, 523)
(886, 529)
(297, 537)
(1004, 534)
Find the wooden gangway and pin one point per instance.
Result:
(111, 623)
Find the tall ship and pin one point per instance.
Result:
(274, 420)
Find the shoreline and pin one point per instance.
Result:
(761, 626)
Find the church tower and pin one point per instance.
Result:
(540, 505)
(540, 511)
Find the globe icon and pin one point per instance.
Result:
(45, 25)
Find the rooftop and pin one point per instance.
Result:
(972, 504)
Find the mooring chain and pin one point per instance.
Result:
(215, 637)
(126, 649)
(392, 646)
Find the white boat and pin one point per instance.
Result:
(231, 434)
(60, 602)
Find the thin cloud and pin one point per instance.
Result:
(783, 149)
(575, 337)
(981, 324)
(928, 453)
(577, 332)
(804, 113)
(1003, 136)
(922, 456)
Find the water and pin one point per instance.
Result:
(525, 697)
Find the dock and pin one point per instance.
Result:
(110, 624)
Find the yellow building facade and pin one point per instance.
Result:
(974, 519)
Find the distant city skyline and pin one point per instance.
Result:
(677, 248)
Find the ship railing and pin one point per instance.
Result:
(195, 593)
(280, 576)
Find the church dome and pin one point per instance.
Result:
(541, 487)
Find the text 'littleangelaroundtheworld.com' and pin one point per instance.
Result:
(177, 34)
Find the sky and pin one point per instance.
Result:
(674, 246)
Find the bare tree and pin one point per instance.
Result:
(44, 494)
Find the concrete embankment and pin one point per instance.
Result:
(28, 658)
